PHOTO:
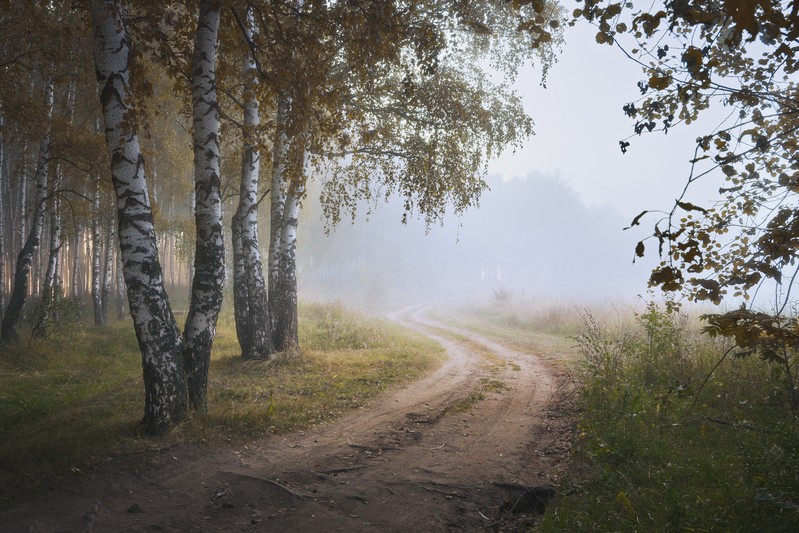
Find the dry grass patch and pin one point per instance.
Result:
(73, 401)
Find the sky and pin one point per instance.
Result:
(579, 122)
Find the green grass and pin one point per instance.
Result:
(657, 450)
(74, 400)
(559, 319)
(519, 326)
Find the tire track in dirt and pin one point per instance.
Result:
(451, 452)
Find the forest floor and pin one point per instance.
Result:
(478, 444)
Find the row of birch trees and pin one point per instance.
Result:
(210, 111)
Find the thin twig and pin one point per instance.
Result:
(737, 425)
(707, 378)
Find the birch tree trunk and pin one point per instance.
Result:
(3, 181)
(97, 300)
(108, 265)
(157, 332)
(11, 318)
(257, 342)
(209, 251)
(23, 199)
(76, 290)
(285, 296)
(50, 284)
(278, 194)
(241, 307)
(120, 288)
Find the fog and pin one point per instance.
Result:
(555, 234)
(533, 238)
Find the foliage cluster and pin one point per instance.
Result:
(739, 57)
(669, 439)
(73, 401)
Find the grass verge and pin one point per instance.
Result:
(659, 448)
(74, 400)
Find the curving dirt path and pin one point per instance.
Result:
(476, 445)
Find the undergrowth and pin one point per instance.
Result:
(673, 438)
(74, 400)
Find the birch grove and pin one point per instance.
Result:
(356, 101)
(19, 293)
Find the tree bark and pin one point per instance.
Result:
(11, 318)
(50, 284)
(108, 266)
(76, 290)
(241, 307)
(157, 332)
(209, 251)
(97, 297)
(280, 149)
(258, 325)
(120, 288)
(3, 181)
(23, 199)
(285, 296)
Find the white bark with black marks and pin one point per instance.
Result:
(120, 288)
(108, 265)
(23, 199)
(3, 181)
(11, 318)
(209, 251)
(249, 286)
(76, 290)
(280, 150)
(157, 332)
(241, 305)
(50, 284)
(97, 298)
(285, 335)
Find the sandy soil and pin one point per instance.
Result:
(423, 458)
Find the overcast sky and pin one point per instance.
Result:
(579, 122)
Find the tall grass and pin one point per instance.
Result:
(673, 438)
(74, 400)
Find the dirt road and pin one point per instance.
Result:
(456, 451)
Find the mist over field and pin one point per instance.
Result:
(532, 237)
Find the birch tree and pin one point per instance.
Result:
(11, 318)
(50, 285)
(253, 321)
(156, 330)
(97, 296)
(107, 271)
(209, 254)
(286, 329)
(280, 146)
(3, 181)
(376, 94)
